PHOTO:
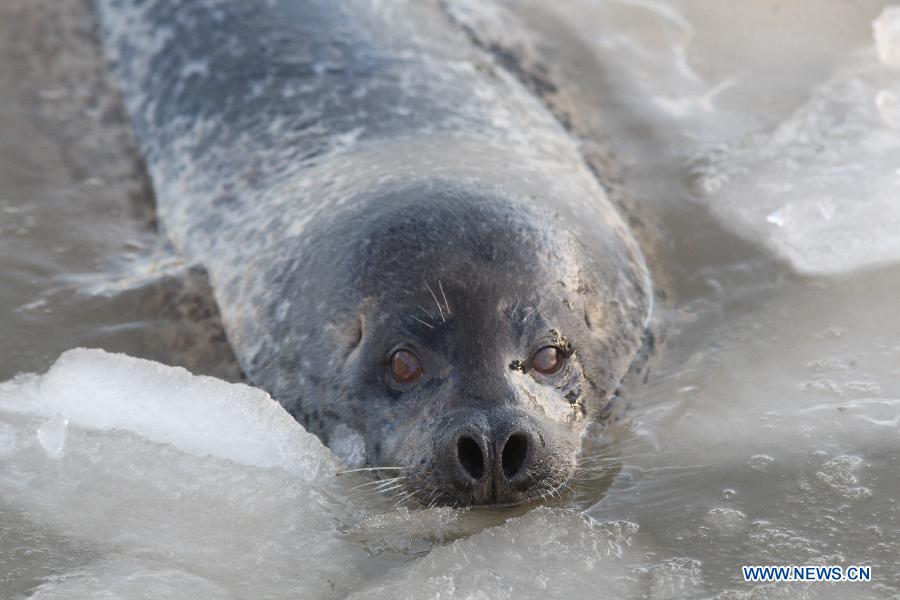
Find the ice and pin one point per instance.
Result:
(349, 445)
(886, 30)
(821, 189)
(838, 474)
(132, 579)
(98, 390)
(52, 436)
(167, 485)
(726, 521)
(7, 439)
(545, 553)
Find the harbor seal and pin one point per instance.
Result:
(406, 247)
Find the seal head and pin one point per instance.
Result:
(470, 337)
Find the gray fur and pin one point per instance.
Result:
(357, 175)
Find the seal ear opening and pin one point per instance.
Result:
(347, 335)
(355, 333)
(594, 316)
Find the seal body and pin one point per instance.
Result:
(361, 184)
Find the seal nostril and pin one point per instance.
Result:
(470, 456)
(514, 453)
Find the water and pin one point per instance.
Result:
(760, 142)
(80, 261)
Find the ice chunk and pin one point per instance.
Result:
(200, 415)
(726, 521)
(888, 103)
(838, 474)
(545, 553)
(349, 445)
(52, 436)
(125, 577)
(7, 439)
(886, 31)
(821, 190)
(169, 486)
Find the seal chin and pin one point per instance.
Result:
(492, 490)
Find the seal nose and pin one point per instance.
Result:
(514, 453)
(492, 467)
(470, 457)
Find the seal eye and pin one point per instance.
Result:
(548, 360)
(405, 367)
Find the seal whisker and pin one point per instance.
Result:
(428, 325)
(432, 499)
(441, 288)
(610, 458)
(387, 486)
(377, 482)
(346, 471)
(440, 310)
(404, 498)
(426, 311)
(389, 489)
(528, 312)
(416, 498)
(598, 466)
(668, 469)
(617, 461)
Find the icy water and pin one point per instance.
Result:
(761, 139)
